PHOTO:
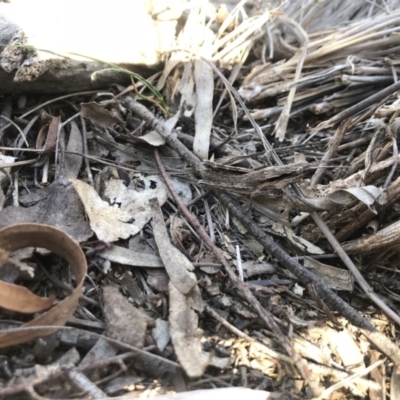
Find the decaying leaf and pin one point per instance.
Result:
(153, 138)
(57, 204)
(99, 115)
(184, 330)
(186, 88)
(176, 264)
(366, 194)
(161, 333)
(107, 222)
(20, 236)
(345, 347)
(135, 202)
(121, 316)
(111, 223)
(184, 298)
(19, 299)
(158, 279)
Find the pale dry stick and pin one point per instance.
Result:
(15, 192)
(395, 154)
(266, 240)
(362, 105)
(27, 128)
(18, 163)
(333, 144)
(340, 374)
(250, 298)
(355, 121)
(230, 18)
(20, 149)
(281, 125)
(246, 29)
(85, 151)
(348, 37)
(327, 392)
(355, 271)
(67, 121)
(376, 168)
(356, 40)
(82, 382)
(268, 352)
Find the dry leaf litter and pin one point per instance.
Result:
(239, 238)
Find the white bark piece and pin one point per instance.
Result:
(204, 107)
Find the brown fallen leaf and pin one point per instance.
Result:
(19, 236)
(99, 115)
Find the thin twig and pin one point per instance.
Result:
(362, 105)
(333, 145)
(349, 379)
(85, 151)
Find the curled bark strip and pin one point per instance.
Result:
(47, 137)
(20, 299)
(18, 236)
